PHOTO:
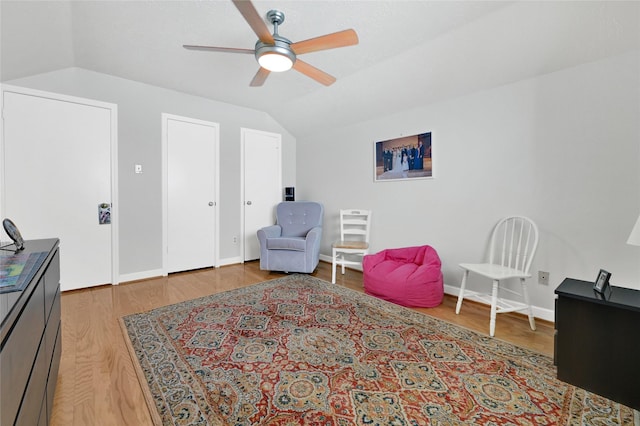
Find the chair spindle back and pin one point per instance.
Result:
(514, 241)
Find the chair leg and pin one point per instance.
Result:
(494, 308)
(461, 294)
(333, 266)
(342, 264)
(525, 294)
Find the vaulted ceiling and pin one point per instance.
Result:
(410, 52)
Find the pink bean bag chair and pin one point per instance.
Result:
(409, 276)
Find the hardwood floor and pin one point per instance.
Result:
(97, 384)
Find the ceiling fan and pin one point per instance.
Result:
(276, 53)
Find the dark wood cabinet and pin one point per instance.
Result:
(597, 343)
(31, 339)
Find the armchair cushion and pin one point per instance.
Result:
(287, 243)
(409, 276)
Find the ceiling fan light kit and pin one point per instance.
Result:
(275, 53)
(277, 57)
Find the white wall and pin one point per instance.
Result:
(35, 37)
(563, 149)
(139, 142)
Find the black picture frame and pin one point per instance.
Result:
(602, 282)
(12, 231)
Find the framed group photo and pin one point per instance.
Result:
(403, 158)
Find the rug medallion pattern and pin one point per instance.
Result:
(301, 351)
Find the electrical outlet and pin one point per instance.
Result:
(235, 239)
(543, 278)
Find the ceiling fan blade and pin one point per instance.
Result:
(260, 77)
(314, 73)
(250, 14)
(218, 49)
(329, 41)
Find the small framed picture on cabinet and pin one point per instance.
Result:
(12, 231)
(602, 281)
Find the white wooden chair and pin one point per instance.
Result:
(513, 246)
(354, 240)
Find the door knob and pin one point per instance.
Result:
(248, 203)
(210, 203)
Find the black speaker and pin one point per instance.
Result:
(289, 193)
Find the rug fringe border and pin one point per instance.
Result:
(142, 379)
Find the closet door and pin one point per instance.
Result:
(191, 170)
(57, 172)
(261, 183)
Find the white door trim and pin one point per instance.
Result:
(243, 132)
(165, 186)
(113, 113)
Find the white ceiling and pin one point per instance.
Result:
(410, 52)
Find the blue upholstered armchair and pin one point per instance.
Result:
(293, 243)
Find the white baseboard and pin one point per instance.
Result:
(143, 275)
(140, 275)
(230, 261)
(542, 313)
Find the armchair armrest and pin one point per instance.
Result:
(314, 235)
(272, 231)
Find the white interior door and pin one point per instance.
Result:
(262, 185)
(57, 170)
(191, 184)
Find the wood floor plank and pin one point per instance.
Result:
(97, 384)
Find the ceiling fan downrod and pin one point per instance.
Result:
(276, 17)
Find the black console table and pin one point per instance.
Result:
(597, 346)
(31, 335)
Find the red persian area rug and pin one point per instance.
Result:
(301, 351)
